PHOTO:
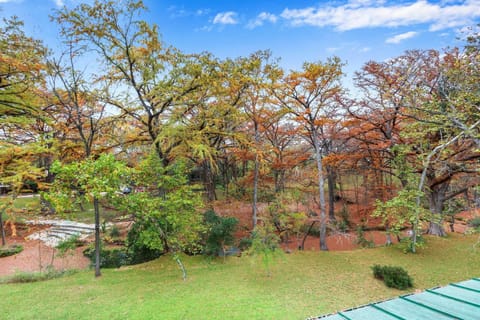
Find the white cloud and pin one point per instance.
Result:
(261, 18)
(6, 1)
(400, 37)
(364, 49)
(332, 49)
(59, 3)
(358, 14)
(204, 29)
(202, 12)
(228, 17)
(181, 12)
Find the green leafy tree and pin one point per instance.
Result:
(166, 212)
(402, 211)
(89, 180)
(286, 221)
(265, 243)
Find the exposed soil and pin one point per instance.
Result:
(359, 215)
(36, 256)
(340, 241)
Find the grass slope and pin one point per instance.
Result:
(301, 285)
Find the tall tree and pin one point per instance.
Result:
(76, 103)
(155, 79)
(22, 68)
(208, 123)
(258, 71)
(448, 122)
(309, 94)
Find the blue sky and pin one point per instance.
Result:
(295, 31)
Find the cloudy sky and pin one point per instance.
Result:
(295, 31)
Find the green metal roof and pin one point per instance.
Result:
(455, 301)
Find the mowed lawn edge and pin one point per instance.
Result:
(296, 285)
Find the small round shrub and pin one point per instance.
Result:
(10, 250)
(220, 234)
(474, 223)
(245, 243)
(393, 277)
(114, 232)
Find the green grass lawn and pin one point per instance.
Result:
(301, 285)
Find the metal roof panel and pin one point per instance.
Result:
(456, 301)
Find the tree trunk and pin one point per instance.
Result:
(388, 241)
(45, 206)
(209, 181)
(97, 237)
(435, 228)
(426, 165)
(225, 177)
(255, 194)
(2, 230)
(279, 177)
(255, 179)
(302, 246)
(437, 199)
(476, 198)
(234, 167)
(181, 265)
(321, 191)
(331, 193)
(276, 179)
(244, 167)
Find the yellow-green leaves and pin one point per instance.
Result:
(92, 178)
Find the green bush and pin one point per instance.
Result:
(474, 223)
(406, 244)
(109, 258)
(236, 191)
(393, 277)
(265, 244)
(362, 241)
(220, 232)
(114, 232)
(266, 195)
(245, 243)
(10, 250)
(137, 251)
(345, 215)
